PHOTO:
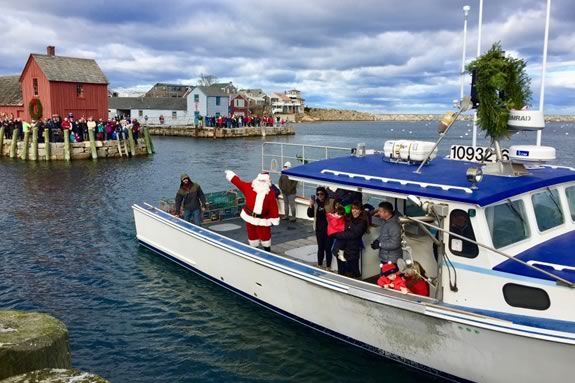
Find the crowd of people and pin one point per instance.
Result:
(241, 121)
(340, 222)
(77, 129)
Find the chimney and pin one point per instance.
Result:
(51, 50)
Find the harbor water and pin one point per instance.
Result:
(68, 248)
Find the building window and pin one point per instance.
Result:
(174, 115)
(196, 98)
(140, 113)
(459, 223)
(218, 100)
(80, 90)
(547, 209)
(35, 86)
(570, 192)
(526, 297)
(507, 223)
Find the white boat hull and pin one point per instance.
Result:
(422, 335)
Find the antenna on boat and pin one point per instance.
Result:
(447, 122)
(544, 67)
(466, 9)
(480, 21)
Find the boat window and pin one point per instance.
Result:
(547, 208)
(507, 223)
(526, 297)
(459, 223)
(570, 191)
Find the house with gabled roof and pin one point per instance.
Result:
(64, 85)
(227, 87)
(163, 90)
(208, 101)
(60, 85)
(11, 102)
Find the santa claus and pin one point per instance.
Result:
(261, 209)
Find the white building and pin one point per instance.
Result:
(207, 101)
(151, 110)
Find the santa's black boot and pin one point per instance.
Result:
(268, 249)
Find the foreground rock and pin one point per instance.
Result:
(51, 375)
(31, 341)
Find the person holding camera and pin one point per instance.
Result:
(389, 240)
(319, 205)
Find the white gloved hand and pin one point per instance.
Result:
(230, 175)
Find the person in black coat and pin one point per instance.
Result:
(355, 227)
(319, 205)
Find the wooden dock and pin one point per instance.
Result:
(190, 131)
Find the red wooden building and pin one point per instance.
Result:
(239, 106)
(63, 85)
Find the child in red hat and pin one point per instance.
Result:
(390, 278)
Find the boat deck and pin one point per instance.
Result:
(294, 240)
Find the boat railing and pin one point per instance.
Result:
(275, 154)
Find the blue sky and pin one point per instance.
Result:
(380, 56)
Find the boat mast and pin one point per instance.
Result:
(466, 9)
(544, 67)
(474, 135)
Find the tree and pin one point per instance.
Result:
(502, 84)
(207, 79)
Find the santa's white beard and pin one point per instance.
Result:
(261, 189)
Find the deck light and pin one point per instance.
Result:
(474, 175)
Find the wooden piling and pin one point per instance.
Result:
(67, 145)
(47, 145)
(92, 138)
(26, 142)
(1, 141)
(148, 140)
(34, 154)
(14, 144)
(131, 142)
(152, 145)
(120, 147)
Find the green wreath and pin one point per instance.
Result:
(35, 109)
(502, 84)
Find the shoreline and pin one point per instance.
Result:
(327, 115)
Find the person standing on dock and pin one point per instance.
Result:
(261, 209)
(288, 189)
(190, 201)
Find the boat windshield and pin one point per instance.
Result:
(570, 191)
(547, 209)
(507, 223)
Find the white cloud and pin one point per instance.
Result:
(371, 55)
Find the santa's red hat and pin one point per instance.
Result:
(388, 268)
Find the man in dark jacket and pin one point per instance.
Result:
(288, 189)
(191, 196)
(389, 241)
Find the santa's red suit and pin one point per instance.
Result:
(260, 210)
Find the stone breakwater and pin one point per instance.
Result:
(190, 131)
(317, 114)
(78, 150)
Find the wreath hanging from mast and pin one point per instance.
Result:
(501, 84)
(35, 109)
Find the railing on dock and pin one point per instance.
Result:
(275, 154)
